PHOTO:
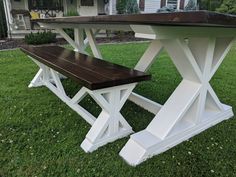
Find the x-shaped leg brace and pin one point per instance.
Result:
(193, 107)
(110, 124)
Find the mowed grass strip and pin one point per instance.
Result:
(41, 136)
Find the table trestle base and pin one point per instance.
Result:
(192, 107)
(147, 145)
(110, 125)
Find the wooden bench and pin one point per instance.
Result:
(108, 84)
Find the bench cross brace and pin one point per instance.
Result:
(110, 124)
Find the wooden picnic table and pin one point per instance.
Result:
(197, 43)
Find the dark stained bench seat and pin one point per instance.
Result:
(91, 72)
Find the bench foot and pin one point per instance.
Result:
(37, 80)
(89, 146)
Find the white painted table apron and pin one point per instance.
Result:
(193, 107)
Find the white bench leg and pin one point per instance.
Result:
(37, 80)
(110, 124)
(192, 108)
(52, 80)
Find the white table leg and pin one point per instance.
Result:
(79, 39)
(68, 39)
(86, 41)
(192, 108)
(144, 64)
(149, 56)
(93, 44)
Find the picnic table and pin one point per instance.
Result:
(197, 43)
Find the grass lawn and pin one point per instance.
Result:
(41, 136)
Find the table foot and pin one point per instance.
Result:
(144, 144)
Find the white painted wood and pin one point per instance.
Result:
(144, 64)
(178, 4)
(148, 57)
(171, 32)
(223, 45)
(110, 124)
(9, 18)
(86, 41)
(192, 107)
(88, 117)
(144, 145)
(26, 4)
(145, 103)
(151, 6)
(80, 44)
(189, 32)
(65, 7)
(197, 52)
(93, 43)
(37, 80)
(145, 36)
(6, 14)
(184, 59)
(144, 31)
(68, 39)
(9, 8)
(57, 81)
(174, 109)
(111, 7)
(79, 38)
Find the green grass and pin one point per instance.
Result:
(41, 136)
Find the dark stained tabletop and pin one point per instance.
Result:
(191, 18)
(91, 72)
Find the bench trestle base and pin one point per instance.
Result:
(110, 125)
